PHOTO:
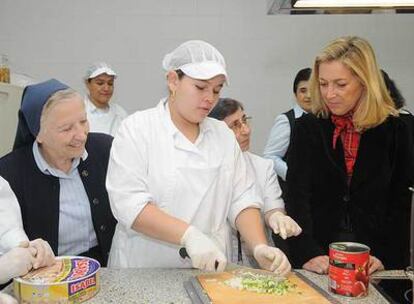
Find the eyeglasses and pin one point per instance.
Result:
(237, 125)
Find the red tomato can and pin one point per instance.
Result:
(348, 269)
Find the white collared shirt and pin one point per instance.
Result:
(279, 140)
(76, 231)
(105, 120)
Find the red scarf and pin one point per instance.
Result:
(344, 127)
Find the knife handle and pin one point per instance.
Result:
(184, 254)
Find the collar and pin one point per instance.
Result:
(164, 109)
(298, 111)
(45, 168)
(91, 108)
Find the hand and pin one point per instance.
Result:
(271, 259)
(202, 250)
(6, 299)
(319, 264)
(284, 225)
(16, 262)
(42, 253)
(374, 264)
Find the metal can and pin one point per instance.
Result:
(348, 269)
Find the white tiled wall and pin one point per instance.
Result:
(59, 38)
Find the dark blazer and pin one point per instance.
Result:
(38, 194)
(375, 207)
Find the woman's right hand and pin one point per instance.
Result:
(204, 253)
(14, 263)
(319, 264)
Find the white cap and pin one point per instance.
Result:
(99, 68)
(197, 59)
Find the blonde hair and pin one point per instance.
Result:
(357, 55)
(55, 98)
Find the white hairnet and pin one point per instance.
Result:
(197, 59)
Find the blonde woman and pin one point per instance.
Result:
(351, 163)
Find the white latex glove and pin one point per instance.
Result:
(16, 262)
(272, 259)
(6, 299)
(42, 252)
(202, 250)
(284, 225)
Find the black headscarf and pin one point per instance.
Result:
(34, 98)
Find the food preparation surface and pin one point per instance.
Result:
(221, 293)
(166, 286)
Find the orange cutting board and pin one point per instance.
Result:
(220, 293)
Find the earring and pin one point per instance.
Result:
(172, 96)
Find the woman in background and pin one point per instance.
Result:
(351, 163)
(280, 136)
(266, 184)
(103, 116)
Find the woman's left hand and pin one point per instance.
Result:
(272, 259)
(284, 225)
(375, 264)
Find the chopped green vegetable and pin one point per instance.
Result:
(261, 283)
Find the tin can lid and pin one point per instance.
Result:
(349, 247)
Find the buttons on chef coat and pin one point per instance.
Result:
(95, 201)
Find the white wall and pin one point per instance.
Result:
(59, 38)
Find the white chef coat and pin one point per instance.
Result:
(269, 193)
(203, 183)
(11, 224)
(104, 120)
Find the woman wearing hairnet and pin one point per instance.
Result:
(104, 116)
(176, 178)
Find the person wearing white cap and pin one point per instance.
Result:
(177, 178)
(103, 116)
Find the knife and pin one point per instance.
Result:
(184, 254)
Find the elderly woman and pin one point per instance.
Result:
(104, 116)
(177, 178)
(351, 162)
(57, 172)
(267, 187)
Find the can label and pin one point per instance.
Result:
(348, 269)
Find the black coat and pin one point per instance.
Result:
(375, 207)
(38, 194)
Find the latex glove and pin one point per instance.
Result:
(6, 299)
(284, 225)
(202, 250)
(42, 252)
(271, 259)
(374, 264)
(16, 262)
(319, 264)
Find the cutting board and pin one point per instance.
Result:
(212, 284)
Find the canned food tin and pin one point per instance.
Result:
(69, 280)
(348, 269)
